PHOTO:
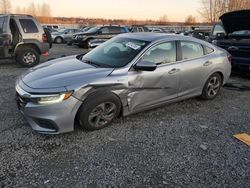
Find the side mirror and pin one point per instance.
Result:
(66, 33)
(145, 66)
(220, 35)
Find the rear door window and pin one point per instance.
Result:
(104, 30)
(191, 50)
(115, 30)
(28, 26)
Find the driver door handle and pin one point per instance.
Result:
(207, 63)
(173, 71)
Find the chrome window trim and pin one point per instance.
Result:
(151, 45)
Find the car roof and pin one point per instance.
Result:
(27, 15)
(151, 37)
(154, 37)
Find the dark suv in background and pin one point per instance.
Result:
(97, 35)
(22, 38)
(233, 35)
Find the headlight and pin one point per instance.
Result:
(81, 36)
(53, 98)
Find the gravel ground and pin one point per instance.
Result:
(186, 144)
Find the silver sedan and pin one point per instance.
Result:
(125, 75)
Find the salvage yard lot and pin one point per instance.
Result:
(186, 144)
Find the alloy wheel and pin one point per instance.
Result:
(102, 114)
(213, 86)
(29, 58)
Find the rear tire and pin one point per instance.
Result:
(58, 40)
(99, 110)
(212, 87)
(28, 57)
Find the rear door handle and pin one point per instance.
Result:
(208, 63)
(173, 71)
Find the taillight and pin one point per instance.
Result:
(229, 57)
(45, 38)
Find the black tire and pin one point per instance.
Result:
(81, 45)
(85, 45)
(212, 87)
(59, 40)
(91, 115)
(28, 56)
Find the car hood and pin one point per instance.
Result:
(85, 33)
(236, 21)
(63, 72)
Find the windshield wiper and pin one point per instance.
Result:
(91, 63)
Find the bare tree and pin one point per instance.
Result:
(45, 10)
(32, 9)
(163, 19)
(5, 6)
(211, 10)
(41, 11)
(190, 20)
(45, 13)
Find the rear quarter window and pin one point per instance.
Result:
(208, 50)
(28, 26)
(191, 50)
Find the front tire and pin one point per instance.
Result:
(28, 57)
(85, 45)
(212, 87)
(99, 110)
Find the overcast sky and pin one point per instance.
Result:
(176, 10)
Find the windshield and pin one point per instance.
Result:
(93, 30)
(86, 29)
(115, 53)
(62, 30)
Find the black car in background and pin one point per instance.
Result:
(199, 33)
(233, 35)
(101, 33)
